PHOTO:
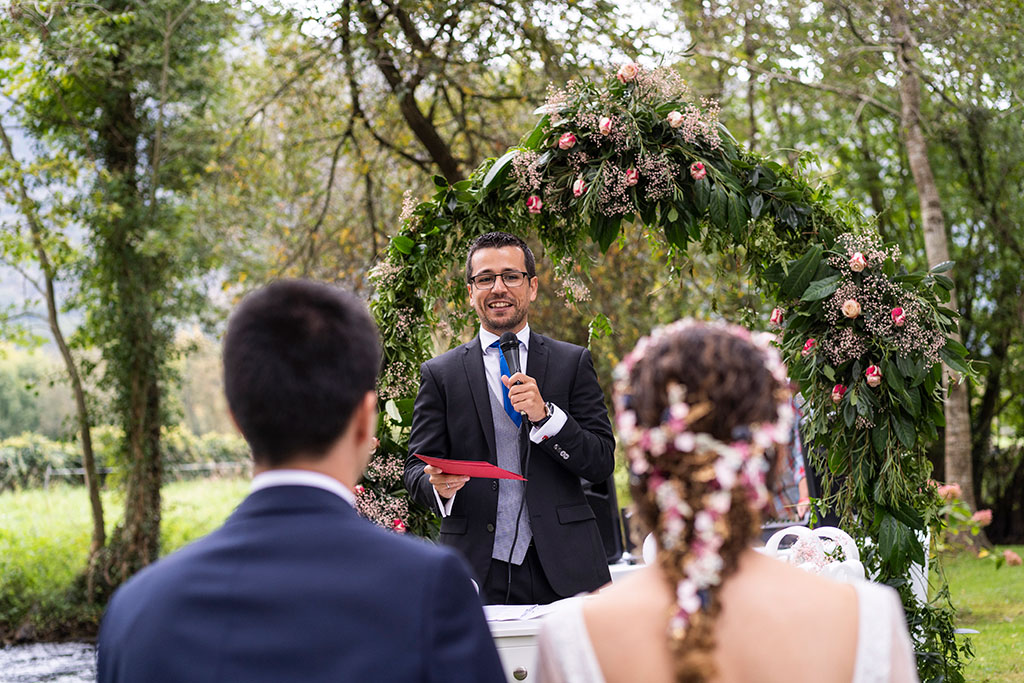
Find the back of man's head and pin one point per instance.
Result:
(299, 356)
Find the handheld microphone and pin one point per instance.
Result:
(508, 344)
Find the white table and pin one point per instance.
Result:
(515, 628)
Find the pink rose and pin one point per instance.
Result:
(398, 525)
(675, 119)
(566, 141)
(982, 517)
(808, 347)
(949, 492)
(579, 187)
(776, 318)
(359, 489)
(851, 309)
(874, 375)
(697, 170)
(628, 72)
(838, 391)
(1012, 558)
(604, 126)
(858, 262)
(898, 316)
(632, 177)
(534, 204)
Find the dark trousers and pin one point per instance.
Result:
(529, 584)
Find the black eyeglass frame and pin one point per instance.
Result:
(526, 277)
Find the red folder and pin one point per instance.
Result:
(472, 468)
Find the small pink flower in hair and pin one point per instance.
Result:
(534, 204)
(579, 187)
(873, 375)
(697, 170)
(808, 347)
(858, 262)
(838, 391)
(776, 318)
(566, 141)
(898, 316)
(604, 126)
(851, 308)
(632, 177)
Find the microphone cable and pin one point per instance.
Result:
(524, 462)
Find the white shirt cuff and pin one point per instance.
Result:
(551, 427)
(445, 506)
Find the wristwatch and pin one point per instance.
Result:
(549, 410)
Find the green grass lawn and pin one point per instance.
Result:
(44, 538)
(991, 601)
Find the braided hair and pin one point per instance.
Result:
(729, 387)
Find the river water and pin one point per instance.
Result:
(49, 663)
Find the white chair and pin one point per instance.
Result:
(815, 550)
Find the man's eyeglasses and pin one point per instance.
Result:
(511, 278)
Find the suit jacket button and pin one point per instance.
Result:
(494, 485)
(490, 527)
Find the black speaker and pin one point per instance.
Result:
(603, 501)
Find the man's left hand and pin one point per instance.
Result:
(525, 396)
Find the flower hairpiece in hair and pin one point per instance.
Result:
(740, 463)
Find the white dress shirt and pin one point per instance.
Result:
(492, 371)
(265, 480)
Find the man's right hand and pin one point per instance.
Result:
(446, 485)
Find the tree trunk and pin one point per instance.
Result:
(958, 429)
(28, 210)
(134, 347)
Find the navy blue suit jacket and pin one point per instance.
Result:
(452, 419)
(297, 587)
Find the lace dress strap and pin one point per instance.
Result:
(565, 653)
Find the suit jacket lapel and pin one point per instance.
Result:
(473, 361)
(538, 361)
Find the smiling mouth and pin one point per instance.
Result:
(499, 305)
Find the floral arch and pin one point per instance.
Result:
(865, 339)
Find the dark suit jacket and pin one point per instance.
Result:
(452, 419)
(296, 587)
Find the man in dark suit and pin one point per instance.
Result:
(469, 407)
(295, 586)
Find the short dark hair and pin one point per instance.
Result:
(497, 240)
(299, 356)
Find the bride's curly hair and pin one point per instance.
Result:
(727, 377)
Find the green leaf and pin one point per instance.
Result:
(737, 214)
(953, 346)
(440, 182)
(403, 244)
(909, 516)
(893, 376)
(904, 430)
(719, 210)
(800, 273)
(702, 194)
(880, 437)
(756, 204)
(954, 361)
(536, 136)
(499, 167)
(911, 398)
(943, 267)
(944, 282)
(819, 289)
(400, 411)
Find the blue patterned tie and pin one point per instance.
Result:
(503, 369)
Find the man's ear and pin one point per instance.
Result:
(365, 422)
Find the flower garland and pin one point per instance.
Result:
(737, 464)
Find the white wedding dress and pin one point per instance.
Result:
(884, 654)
